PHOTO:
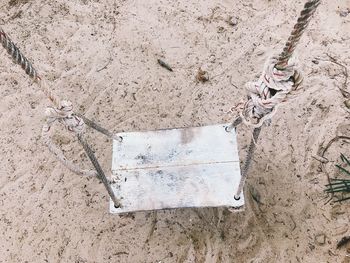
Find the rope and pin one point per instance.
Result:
(279, 77)
(265, 94)
(63, 113)
(234, 124)
(27, 66)
(246, 166)
(298, 30)
(98, 128)
(101, 175)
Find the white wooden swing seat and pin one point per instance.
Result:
(176, 168)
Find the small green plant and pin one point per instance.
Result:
(340, 188)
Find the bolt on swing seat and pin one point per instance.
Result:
(176, 168)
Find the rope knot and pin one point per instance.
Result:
(64, 114)
(265, 94)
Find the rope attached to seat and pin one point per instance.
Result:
(271, 89)
(280, 76)
(63, 113)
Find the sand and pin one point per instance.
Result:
(102, 55)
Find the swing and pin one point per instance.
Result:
(172, 168)
(181, 167)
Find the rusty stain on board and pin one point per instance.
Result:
(187, 135)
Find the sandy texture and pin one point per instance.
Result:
(102, 55)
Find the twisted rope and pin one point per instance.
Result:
(100, 174)
(279, 77)
(298, 30)
(265, 94)
(246, 166)
(17, 56)
(63, 113)
(26, 65)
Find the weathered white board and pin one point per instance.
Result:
(176, 168)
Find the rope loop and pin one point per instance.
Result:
(64, 115)
(271, 89)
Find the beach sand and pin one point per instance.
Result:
(102, 55)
